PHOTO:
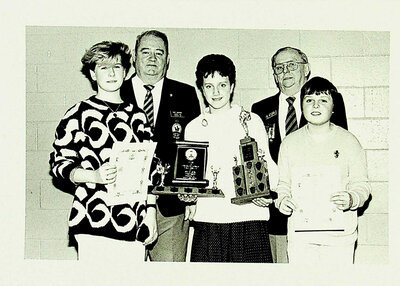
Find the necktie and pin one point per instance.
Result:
(148, 106)
(291, 120)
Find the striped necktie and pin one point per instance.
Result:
(148, 106)
(291, 120)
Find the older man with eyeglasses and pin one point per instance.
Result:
(282, 114)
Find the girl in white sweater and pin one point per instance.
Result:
(225, 232)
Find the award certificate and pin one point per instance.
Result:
(133, 162)
(311, 190)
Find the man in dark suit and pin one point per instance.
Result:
(170, 105)
(281, 115)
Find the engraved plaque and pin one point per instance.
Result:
(190, 163)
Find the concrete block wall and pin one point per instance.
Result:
(357, 62)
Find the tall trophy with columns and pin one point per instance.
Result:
(251, 175)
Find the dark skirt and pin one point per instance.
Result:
(231, 242)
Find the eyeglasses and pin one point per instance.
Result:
(291, 66)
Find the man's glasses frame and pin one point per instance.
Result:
(291, 66)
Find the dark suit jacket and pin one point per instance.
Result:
(267, 109)
(178, 106)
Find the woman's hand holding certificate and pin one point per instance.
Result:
(106, 174)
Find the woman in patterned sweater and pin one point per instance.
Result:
(82, 149)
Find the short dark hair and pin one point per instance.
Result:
(211, 64)
(154, 33)
(319, 85)
(301, 54)
(101, 51)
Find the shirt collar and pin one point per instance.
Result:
(139, 82)
(284, 96)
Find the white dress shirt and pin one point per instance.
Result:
(140, 94)
(283, 109)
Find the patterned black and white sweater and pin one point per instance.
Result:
(84, 138)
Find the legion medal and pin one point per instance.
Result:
(176, 130)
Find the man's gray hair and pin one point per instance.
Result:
(300, 53)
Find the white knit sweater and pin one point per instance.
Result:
(337, 151)
(223, 131)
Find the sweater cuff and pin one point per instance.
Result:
(71, 176)
(69, 171)
(279, 200)
(356, 200)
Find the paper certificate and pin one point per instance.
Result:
(311, 190)
(133, 162)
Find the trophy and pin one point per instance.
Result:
(190, 164)
(251, 176)
(189, 172)
(160, 170)
(215, 176)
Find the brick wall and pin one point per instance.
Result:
(356, 62)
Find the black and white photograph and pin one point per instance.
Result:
(286, 175)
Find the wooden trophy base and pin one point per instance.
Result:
(245, 199)
(258, 189)
(176, 190)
